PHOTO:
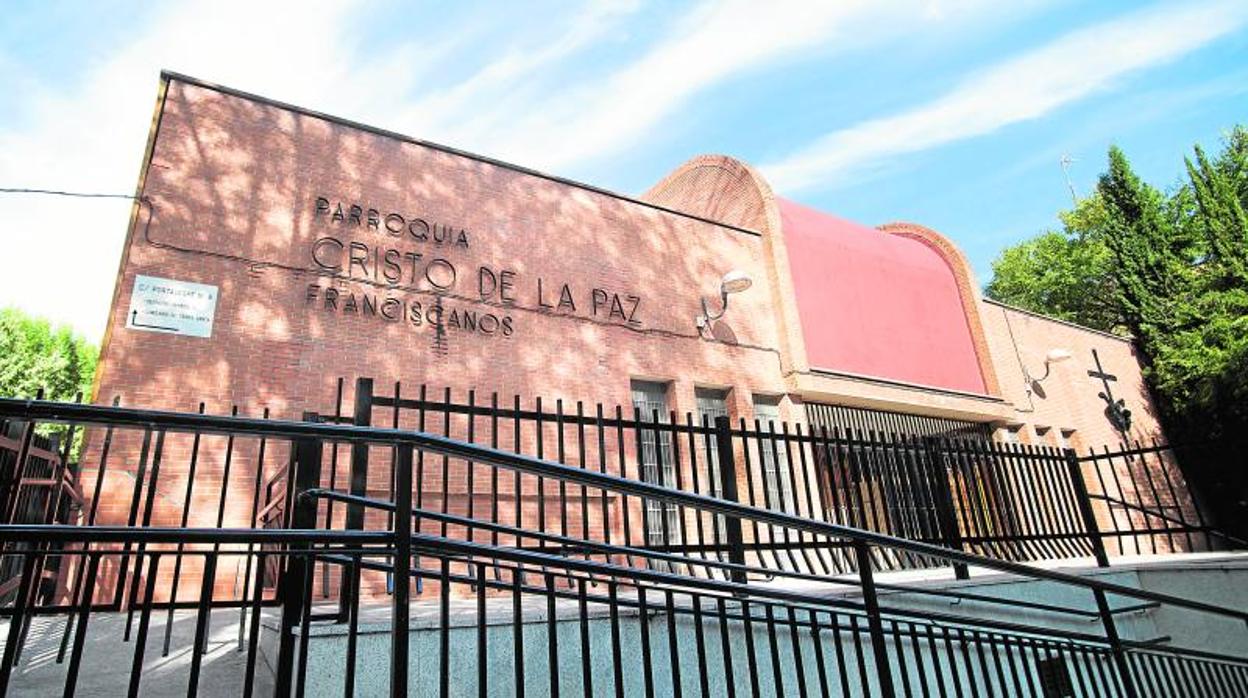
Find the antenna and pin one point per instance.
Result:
(1066, 161)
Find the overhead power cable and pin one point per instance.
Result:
(55, 192)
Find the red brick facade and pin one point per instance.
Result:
(335, 248)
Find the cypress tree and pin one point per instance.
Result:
(1151, 255)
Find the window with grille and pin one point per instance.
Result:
(772, 456)
(712, 403)
(657, 462)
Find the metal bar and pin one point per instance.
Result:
(1084, 502)
(552, 638)
(725, 643)
(561, 451)
(201, 624)
(587, 671)
(148, 505)
(333, 485)
(939, 477)
(290, 585)
(483, 636)
(186, 513)
(80, 632)
(446, 460)
(253, 643)
(673, 646)
(842, 669)
(357, 478)
(777, 675)
(900, 653)
(255, 516)
(795, 641)
(68, 412)
(699, 638)
(747, 618)
(351, 576)
(883, 665)
(817, 643)
(239, 536)
(444, 635)
(145, 617)
(305, 627)
(643, 629)
(10, 487)
(749, 487)
(400, 607)
(617, 664)
(9, 659)
(517, 629)
(131, 520)
(728, 488)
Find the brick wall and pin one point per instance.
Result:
(264, 201)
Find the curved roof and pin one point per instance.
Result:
(878, 304)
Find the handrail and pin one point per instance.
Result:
(172, 421)
(432, 545)
(67, 533)
(1159, 515)
(607, 549)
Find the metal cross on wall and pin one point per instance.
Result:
(1115, 410)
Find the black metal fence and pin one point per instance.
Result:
(39, 486)
(1009, 501)
(530, 610)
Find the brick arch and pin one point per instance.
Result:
(721, 188)
(968, 291)
(725, 189)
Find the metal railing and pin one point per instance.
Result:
(38, 484)
(1014, 502)
(524, 610)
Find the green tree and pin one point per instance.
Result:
(1207, 372)
(1152, 256)
(1067, 274)
(35, 356)
(1171, 269)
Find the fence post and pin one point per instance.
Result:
(1084, 502)
(728, 486)
(875, 624)
(307, 475)
(362, 416)
(946, 511)
(400, 608)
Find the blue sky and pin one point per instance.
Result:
(949, 114)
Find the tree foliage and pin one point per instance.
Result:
(1067, 274)
(35, 356)
(1169, 268)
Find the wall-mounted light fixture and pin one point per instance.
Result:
(734, 281)
(1055, 356)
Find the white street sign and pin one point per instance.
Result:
(174, 307)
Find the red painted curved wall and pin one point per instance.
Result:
(877, 304)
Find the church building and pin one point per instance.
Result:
(276, 250)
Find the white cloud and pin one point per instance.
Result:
(1027, 87)
(61, 255)
(710, 44)
(88, 133)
